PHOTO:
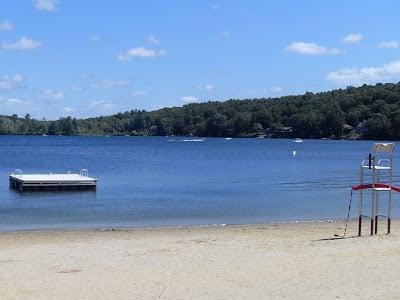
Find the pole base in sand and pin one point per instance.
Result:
(372, 226)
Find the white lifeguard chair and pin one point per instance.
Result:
(379, 167)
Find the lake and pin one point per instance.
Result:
(165, 181)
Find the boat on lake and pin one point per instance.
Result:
(298, 140)
(193, 140)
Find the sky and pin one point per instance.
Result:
(90, 58)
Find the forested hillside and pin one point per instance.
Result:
(370, 112)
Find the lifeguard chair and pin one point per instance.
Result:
(379, 168)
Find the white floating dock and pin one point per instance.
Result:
(52, 182)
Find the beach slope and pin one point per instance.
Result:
(223, 262)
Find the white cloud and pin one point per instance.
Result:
(355, 76)
(311, 49)
(226, 35)
(108, 83)
(208, 87)
(46, 5)
(140, 93)
(215, 6)
(49, 94)
(153, 40)
(23, 43)
(5, 25)
(189, 99)
(140, 52)
(15, 101)
(95, 38)
(11, 82)
(276, 89)
(102, 104)
(353, 38)
(17, 106)
(76, 88)
(68, 109)
(390, 44)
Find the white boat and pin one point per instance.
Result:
(228, 139)
(298, 140)
(194, 140)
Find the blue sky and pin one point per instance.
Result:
(88, 58)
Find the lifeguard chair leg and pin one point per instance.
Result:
(377, 204)
(360, 214)
(389, 212)
(376, 212)
(372, 212)
(373, 199)
(361, 202)
(372, 226)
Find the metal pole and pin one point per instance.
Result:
(390, 194)
(377, 203)
(373, 199)
(361, 202)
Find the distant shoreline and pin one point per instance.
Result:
(365, 112)
(202, 137)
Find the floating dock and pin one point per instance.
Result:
(52, 182)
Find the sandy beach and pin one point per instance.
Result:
(224, 262)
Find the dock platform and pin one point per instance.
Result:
(52, 182)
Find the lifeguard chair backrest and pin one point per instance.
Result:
(386, 148)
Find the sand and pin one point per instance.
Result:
(226, 262)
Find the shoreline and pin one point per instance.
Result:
(203, 137)
(155, 227)
(291, 260)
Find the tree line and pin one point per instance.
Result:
(366, 112)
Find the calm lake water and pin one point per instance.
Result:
(164, 181)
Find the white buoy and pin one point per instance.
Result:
(294, 152)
